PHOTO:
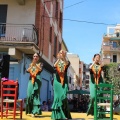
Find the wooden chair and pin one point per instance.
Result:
(0, 94)
(9, 91)
(103, 92)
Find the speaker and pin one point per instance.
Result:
(5, 66)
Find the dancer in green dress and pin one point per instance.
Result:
(95, 78)
(60, 109)
(34, 84)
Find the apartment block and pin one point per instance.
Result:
(110, 49)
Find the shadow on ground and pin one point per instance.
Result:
(101, 119)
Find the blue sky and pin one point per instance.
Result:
(85, 39)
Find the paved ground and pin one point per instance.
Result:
(46, 116)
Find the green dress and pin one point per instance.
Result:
(60, 109)
(33, 95)
(92, 88)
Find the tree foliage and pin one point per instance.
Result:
(112, 76)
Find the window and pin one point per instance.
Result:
(56, 10)
(114, 58)
(55, 46)
(110, 60)
(87, 76)
(114, 44)
(3, 13)
(50, 36)
(59, 46)
(117, 34)
(87, 81)
(70, 80)
(3, 16)
(60, 20)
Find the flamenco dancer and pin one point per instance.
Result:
(60, 108)
(34, 84)
(95, 78)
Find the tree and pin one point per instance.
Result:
(112, 76)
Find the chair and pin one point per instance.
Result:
(0, 95)
(9, 91)
(103, 92)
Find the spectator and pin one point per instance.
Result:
(44, 106)
(49, 103)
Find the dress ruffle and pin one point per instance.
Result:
(33, 98)
(60, 105)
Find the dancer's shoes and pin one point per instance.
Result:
(33, 115)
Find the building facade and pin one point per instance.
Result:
(87, 77)
(75, 63)
(110, 49)
(70, 73)
(26, 27)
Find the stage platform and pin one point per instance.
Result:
(46, 116)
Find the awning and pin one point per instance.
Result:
(115, 38)
(81, 92)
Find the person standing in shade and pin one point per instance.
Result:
(95, 78)
(60, 109)
(34, 84)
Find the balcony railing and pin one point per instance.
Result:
(110, 48)
(106, 60)
(116, 49)
(114, 36)
(106, 48)
(18, 33)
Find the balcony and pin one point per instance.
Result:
(115, 49)
(110, 48)
(114, 36)
(105, 48)
(24, 38)
(106, 60)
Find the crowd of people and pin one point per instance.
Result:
(79, 104)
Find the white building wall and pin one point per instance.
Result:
(20, 14)
(71, 73)
(74, 60)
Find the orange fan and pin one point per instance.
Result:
(33, 74)
(61, 73)
(97, 74)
